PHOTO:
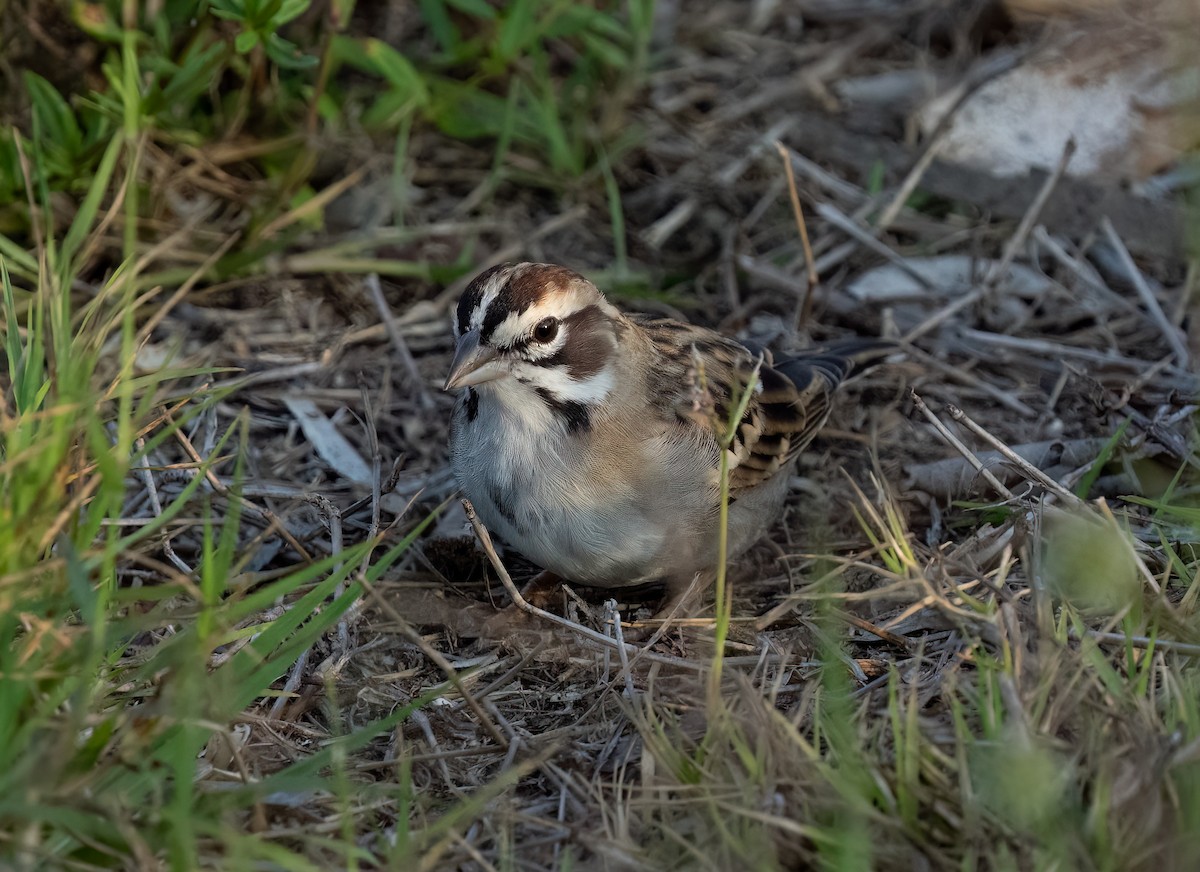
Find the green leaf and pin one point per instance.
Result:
(194, 76)
(397, 71)
(478, 8)
(1085, 484)
(607, 52)
(245, 41)
(518, 30)
(53, 114)
(288, 11)
(439, 23)
(288, 55)
(466, 112)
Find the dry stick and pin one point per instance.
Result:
(270, 517)
(998, 268)
(614, 615)
(875, 630)
(664, 228)
(156, 506)
(335, 539)
(893, 209)
(1085, 273)
(1179, 448)
(913, 178)
(977, 78)
(1187, 649)
(410, 632)
(958, 446)
(798, 211)
(327, 508)
(393, 331)
(828, 182)
(376, 496)
(422, 720)
(293, 682)
(1058, 351)
(1030, 471)
(967, 378)
(1147, 296)
(485, 540)
(865, 237)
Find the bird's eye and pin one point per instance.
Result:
(546, 330)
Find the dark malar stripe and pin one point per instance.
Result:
(575, 414)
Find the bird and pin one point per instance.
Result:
(590, 439)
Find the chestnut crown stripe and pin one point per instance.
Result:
(524, 286)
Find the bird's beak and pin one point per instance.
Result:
(473, 363)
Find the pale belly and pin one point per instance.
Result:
(590, 522)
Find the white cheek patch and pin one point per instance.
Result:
(566, 389)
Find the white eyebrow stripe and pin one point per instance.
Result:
(517, 325)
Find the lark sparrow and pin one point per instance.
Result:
(588, 438)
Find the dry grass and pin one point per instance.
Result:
(941, 657)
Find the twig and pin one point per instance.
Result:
(438, 659)
(1187, 649)
(422, 721)
(485, 541)
(273, 520)
(958, 374)
(865, 237)
(664, 228)
(962, 449)
(1000, 267)
(827, 181)
(330, 511)
(875, 630)
(614, 616)
(1020, 462)
(798, 212)
(376, 469)
(888, 215)
(295, 676)
(156, 505)
(1059, 350)
(1082, 270)
(397, 338)
(1017, 241)
(1170, 333)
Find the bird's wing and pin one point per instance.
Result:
(708, 375)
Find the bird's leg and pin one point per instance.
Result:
(542, 588)
(512, 621)
(681, 595)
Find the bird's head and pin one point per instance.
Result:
(542, 326)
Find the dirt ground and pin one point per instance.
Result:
(1013, 300)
